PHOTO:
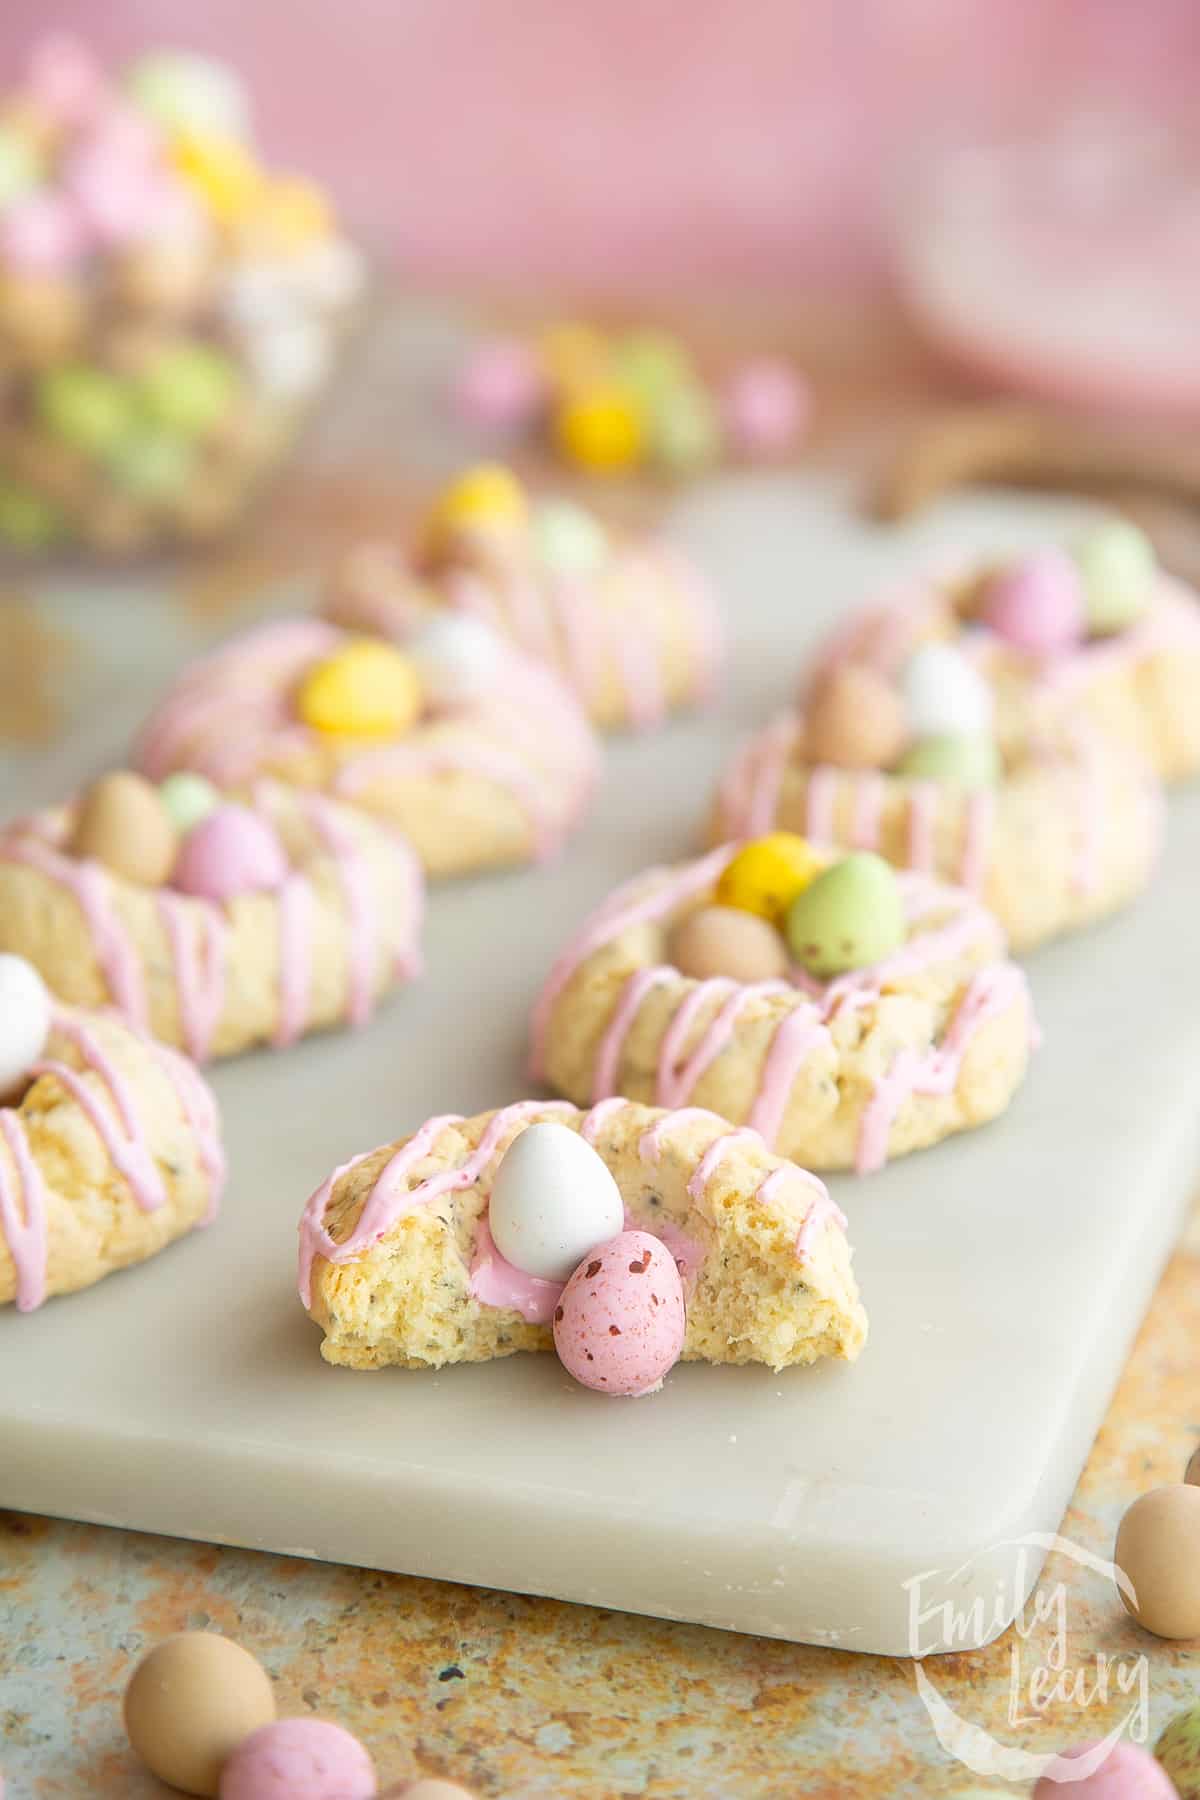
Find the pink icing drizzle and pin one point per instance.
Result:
(495, 1282)
(91, 888)
(923, 799)
(121, 1134)
(26, 1237)
(196, 932)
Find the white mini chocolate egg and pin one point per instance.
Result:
(24, 1020)
(723, 940)
(553, 1200)
(944, 693)
(1158, 1548)
(189, 1704)
(456, 657)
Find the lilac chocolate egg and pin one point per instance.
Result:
(620, 1320)
(232, 851)
(1037, 603)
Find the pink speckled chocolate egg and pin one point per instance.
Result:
(619, 1323)
(1037, 603)
(765, 404)
(500, 387)
(299, 1759)
(1126, 1773)
(231, 851)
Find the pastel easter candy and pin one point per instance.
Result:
(553, 1199)
(188, 388)
(601, 428)
(117, 198)
(855, 720)
(41, 233)
(1127, 1773)
(765, 405)
(456, 658)
(685, 428)
(28, 521)
(188, 798)
(970, 759)
(150, 464)
(221, 172)
(722, 940)
(944, 693)
(20, 165)
(850, 916)
(620, 1320)
(568, 539)
(486, 498)
(192, 1700)
(650, 363)
(122, 823)
(1118, 567)
(25, 1011)
(231, 851)
(366, 689)
(86, 407)
(1158, 1549)
(299, 1759)
(767, 874)
(1178, 1751)
(1036, 603)
(187, 92)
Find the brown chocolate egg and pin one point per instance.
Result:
(1158, 1548)
(855, 720)
(723, 940)
(122, 823)
(1193, 1469)
(190, 1702)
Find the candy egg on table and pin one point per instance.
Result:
(455, 656)
(25, 1010)
(620, 1320)
(486, 498)
(230, 851)
(1178, 1751)
(567, 539)
(1037, 603)
(299, 1759)
(121, 822)
(727, 940)
(767, 874)
(1117, 564)
(855, 720)
(553, 1199)
(190, 1702)
(188, 798)
(969, 758)
(850, 915)
(366, 689)
(1127, 1772)
(500, 387)
(765, 404)
(944, 693)
(602, 429)
(1158, 1549)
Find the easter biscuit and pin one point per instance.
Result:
(889, 1058)
(112, 1152)
(216, 979)
(397, 1264)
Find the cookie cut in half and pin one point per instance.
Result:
(925, 1031)
(398, 1265)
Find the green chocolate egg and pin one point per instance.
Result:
(188, 388)
(87, 408)
(851, 915)
(650, 363)
(150, 464)
(1118, 566)
(27, 521)
(1178, 1750)
(187, 798)
(567, 539)
(969, 759)
(685, 431)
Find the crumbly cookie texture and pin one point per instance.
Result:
(112, 1153)
(1070, 833)
(891, 1058)
(218, 978)
(762, 1249)
(498, 782)
(637, 639)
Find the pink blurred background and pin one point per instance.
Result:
(640, 145)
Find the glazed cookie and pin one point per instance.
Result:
(628, 623)
(111, 1151)
(740, 1256)
(845, 1012)
(218, 922)
(1096, 634)
(477, 754)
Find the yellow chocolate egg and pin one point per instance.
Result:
(573, 355)
(366, 689)
(767, 875)
(122, 822)
(602, 429)
(221, 171)
(725, 940)
(487, 497)
(856, 720)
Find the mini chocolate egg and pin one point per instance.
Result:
(299, 1759)
(189, 1704)
(1118, 567)
(231, 851)
(971, 760)
(487, 498)
(568, 539)
(152, 465)
(87, 408)
(122, 823)
(601, 429)
(650, 363)
(766, 405)
(25, 1010)
(500, 386)
(620, 1320)
(1127, 1772)
(553, 1199)
(1192, 1474)
(1178, 1751)
(188, 798)
(367, 689)
(855, 720)
(1036, 604)
(1158, 1549)
(851, 915)
(766, 874)
(457, 658)
(685, 428)
(727, 940)
(185, 91)
(944, 693)
(188, 388)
